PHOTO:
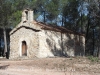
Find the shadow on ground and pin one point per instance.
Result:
(4, 67)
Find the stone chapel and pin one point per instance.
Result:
(32, 39)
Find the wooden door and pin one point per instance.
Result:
(24, 48)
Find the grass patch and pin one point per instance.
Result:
(93, 59)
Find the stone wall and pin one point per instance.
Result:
(68, 43)
(32, 41)
(49, 43)
(46, 43)
(53, 44)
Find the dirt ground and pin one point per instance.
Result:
(49, 66)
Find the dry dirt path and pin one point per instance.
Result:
(49, 66)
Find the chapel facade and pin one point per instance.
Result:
(32, 39)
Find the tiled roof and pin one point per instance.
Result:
(47, 27)
(56, 28)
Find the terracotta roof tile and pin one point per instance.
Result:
(55, 28)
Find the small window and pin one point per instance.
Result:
(26, 15)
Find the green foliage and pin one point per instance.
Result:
(15, 18)
(21, 4)
(93, 59)
(52, 7)
(11, 11)
(5, 7)
(71, 14)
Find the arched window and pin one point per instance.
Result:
(26, 15)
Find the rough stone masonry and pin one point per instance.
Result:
(30, 39)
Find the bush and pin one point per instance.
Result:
(93, 59)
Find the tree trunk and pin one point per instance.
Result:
(93, 44)
(81, 17)
(62, 21)
(5, 41)
(87, 52)
(98, 52)
(99, 55)
(44, 16)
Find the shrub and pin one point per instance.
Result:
(93, 59)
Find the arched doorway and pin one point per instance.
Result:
(24, 48)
